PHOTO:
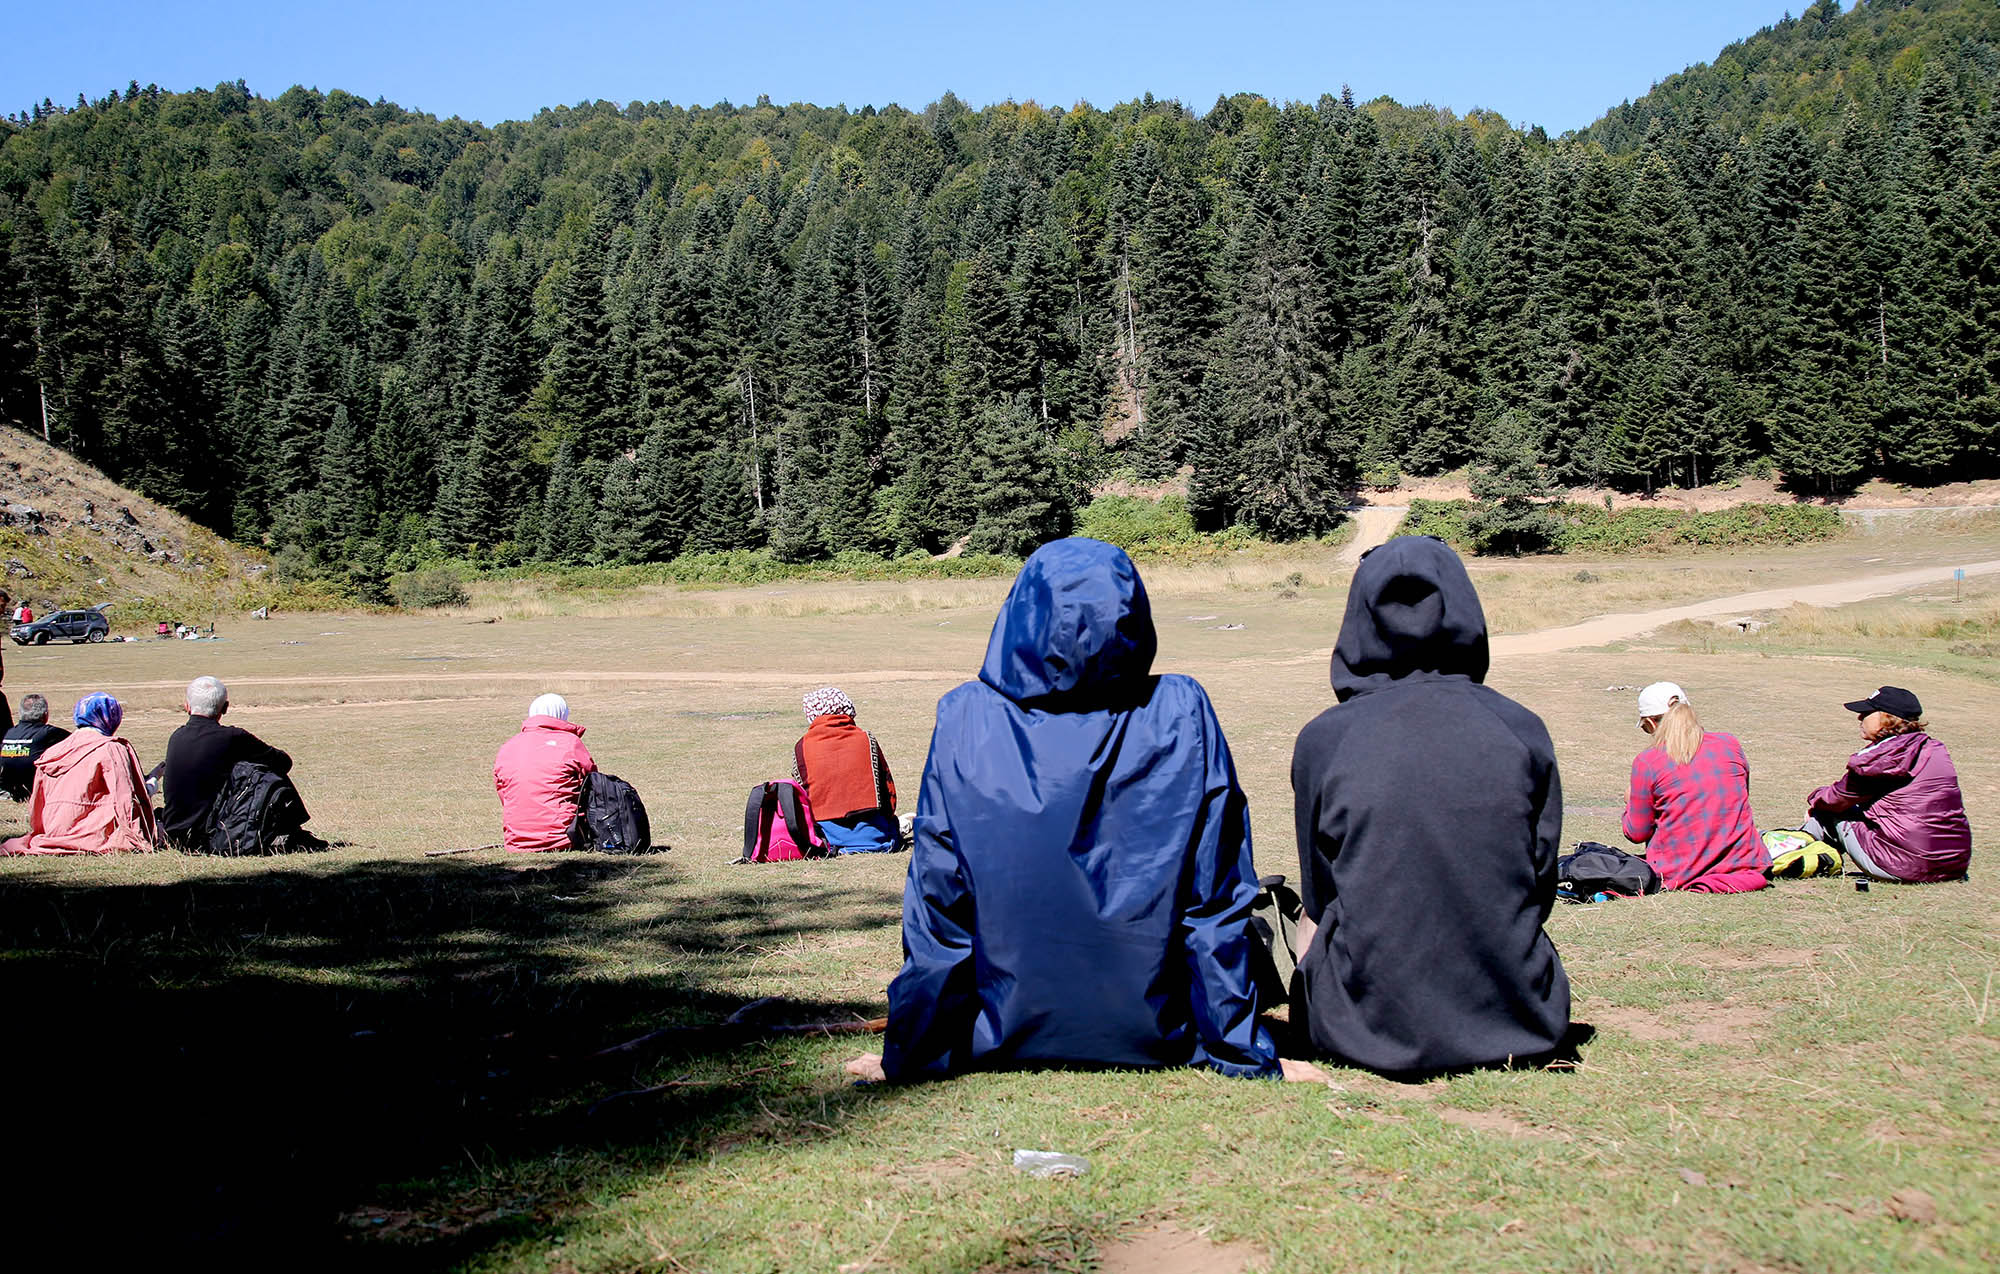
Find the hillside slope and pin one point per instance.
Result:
(1817, 67)
(71, 537)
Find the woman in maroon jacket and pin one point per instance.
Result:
(1897, 812)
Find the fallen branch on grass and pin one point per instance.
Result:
(469, 849)
(739, 1025)
(682, 1082)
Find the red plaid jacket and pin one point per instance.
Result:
(1694, 819)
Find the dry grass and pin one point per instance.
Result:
(403, 1040)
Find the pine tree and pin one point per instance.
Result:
(727, 514)
(1817, 434)
(1018, 505)
(1508, 483)
(573, 405)
(347, 484)
(847, 504)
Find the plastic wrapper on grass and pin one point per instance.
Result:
(1050, 1163)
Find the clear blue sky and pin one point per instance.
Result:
(1558, 63)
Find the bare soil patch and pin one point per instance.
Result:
(1871, 495)
(936, 1172)
(1166, 1248)
(1605, 629)
(1499, 1124)
(1699, 1022)
(1766, 958)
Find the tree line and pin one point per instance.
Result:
(372, 337)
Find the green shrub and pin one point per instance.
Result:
(432, 586)
(1588, 528)
(1133, 523)
(1382, 477)
(1445, 519)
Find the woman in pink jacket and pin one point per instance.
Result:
(89, 794)
(1897, 813)
(540, 774)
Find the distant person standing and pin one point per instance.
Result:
(1689, 803)
(1897, 812)
(540, 774)
(23, 745)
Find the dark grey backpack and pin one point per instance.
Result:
(255, 807)
(1599, 869)
(611, 818)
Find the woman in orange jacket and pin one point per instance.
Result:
(845, 776)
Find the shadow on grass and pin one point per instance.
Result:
(246, 1066)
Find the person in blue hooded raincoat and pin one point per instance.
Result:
(1080, 887)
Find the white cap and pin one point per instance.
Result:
(550, 706)
(1655, 699)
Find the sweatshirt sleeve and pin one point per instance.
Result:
(253, 749)
(1218, 891)
(1548, 834)
(933, 1000)
(1639, 803)
(1315, 880)
(1844, 793)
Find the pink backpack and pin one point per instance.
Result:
(778, 825)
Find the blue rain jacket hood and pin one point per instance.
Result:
(1081, 880)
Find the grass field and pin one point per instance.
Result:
(372, 1059)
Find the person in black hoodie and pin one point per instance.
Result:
(1429, 815)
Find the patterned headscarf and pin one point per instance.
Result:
(100, 712)
(826, 699)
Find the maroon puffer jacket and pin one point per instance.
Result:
(1909, 814)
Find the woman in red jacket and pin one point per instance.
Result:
(540, 774)
(1690, 801)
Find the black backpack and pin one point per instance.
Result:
(1599, 869)
(611, 818)
(255, 807)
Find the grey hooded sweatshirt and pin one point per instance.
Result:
(1429, 815)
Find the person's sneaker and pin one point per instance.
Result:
(299, 842)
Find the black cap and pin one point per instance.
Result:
(1894, 700)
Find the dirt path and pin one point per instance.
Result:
(1599, 631)
(1373, 524)
(572, 677)
(1609, 628)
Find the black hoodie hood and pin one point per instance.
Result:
(1411, 612)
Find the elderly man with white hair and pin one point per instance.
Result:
(201, 756)
(539, 774)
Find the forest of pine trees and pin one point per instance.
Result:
(372, 337)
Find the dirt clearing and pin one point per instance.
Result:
(1168, 1249)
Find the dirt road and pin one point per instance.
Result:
(1373, 524)
(1609, 628)
(1599, 631)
